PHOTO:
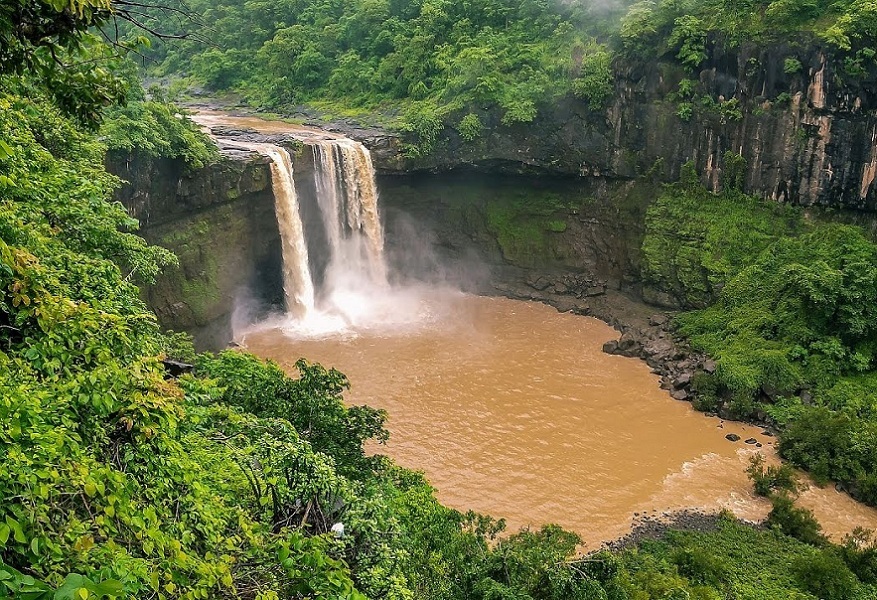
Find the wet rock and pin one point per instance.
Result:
(611, 347)
(732, 437)
(540, 284)
(660, 349)
(563, 305)
(759, 445)
(679, 395)
(751, 441)
(630, 344)
(767, 433)
(709, 366)
(176, 368)
(682, 381)
(658, 320)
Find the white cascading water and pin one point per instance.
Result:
(348, 200)
(298, 285)
(355, 294)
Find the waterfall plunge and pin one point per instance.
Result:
(348, 200)
(354, 294)
(298, 285)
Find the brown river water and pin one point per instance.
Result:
(512, 409)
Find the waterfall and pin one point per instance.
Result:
(354, 292)
(348, 201)
(298, 286)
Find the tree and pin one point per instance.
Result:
(60, 45)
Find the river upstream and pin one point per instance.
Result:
(510, 408)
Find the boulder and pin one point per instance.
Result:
(682, 381)
(176, 368)
(679, 395)
(539, 284)
(660, 349)
(709, 366)
(751, 441)
(630, 344)
(658, 320)
(732, 437)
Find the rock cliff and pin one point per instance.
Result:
(806, 127)
(220, 223)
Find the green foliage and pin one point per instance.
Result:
(789, 308)
(685, 111)
(425, 121)
(55, 44)
(689, 36)
(733, 561)
(734, 172)
(470, 127)
(156, 129)
(523, 225)
(312, 404)
(792, 66)
(424, 60)
(595, 82)
(772, 479)
(680, 27)
(826, 576)
(696, 241)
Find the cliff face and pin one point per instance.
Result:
(808, 133)
(220, 223)
(806, 129)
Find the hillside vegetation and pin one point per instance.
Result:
(788, 308)
(121, 481)
(431, 63)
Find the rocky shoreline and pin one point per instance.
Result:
(656, 526)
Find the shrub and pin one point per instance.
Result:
(470, 127)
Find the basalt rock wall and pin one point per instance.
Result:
(808, 133)
(219, 220)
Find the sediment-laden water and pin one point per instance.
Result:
(510, 407)
(513, 409)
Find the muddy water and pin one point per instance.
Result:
(214, 118)
(512, 409)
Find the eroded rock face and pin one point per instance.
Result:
(220, 222)
(809, 135)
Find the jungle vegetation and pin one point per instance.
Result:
(787, 306)
(430, 64)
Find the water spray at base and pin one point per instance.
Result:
(354, 295)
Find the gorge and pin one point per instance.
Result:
(598, 263)
(466, 380)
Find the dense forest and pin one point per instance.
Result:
(121, 478)
(426, 63)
